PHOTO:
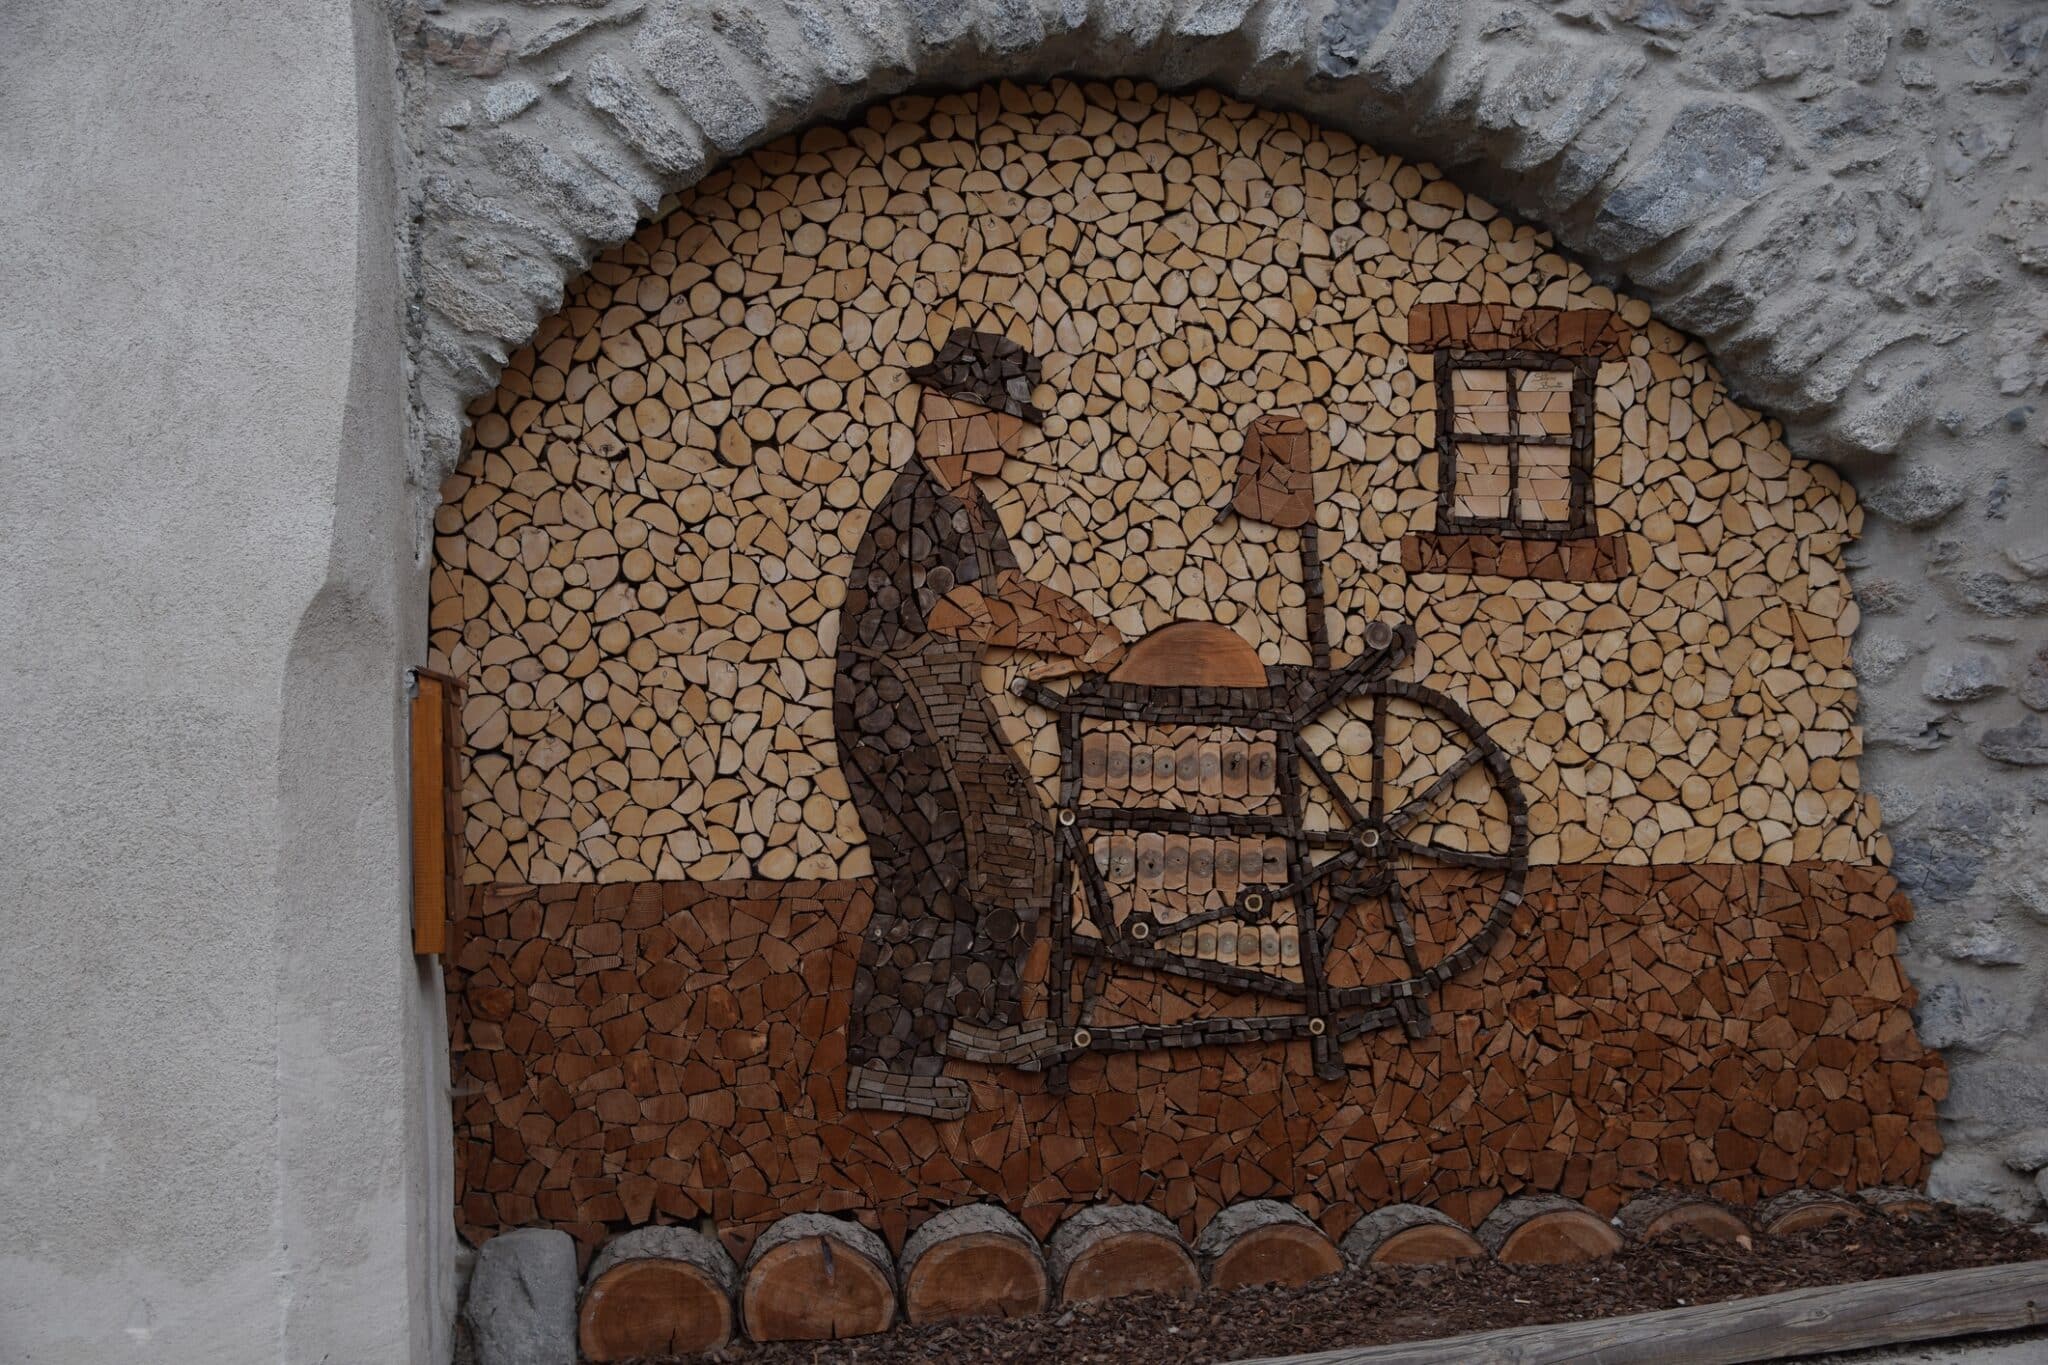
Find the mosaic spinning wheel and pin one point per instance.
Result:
(1329, 845)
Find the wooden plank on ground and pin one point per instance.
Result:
(1799, 1322)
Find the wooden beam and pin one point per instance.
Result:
(1799, 1322)
(436, 808)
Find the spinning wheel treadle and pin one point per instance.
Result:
(1289, 840)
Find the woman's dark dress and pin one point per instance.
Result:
(961, 847)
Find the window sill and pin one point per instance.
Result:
(1584, 559)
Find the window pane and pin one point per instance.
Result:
(1481, 400)
(1543, 403)
(1482, 483)
(1544, 490)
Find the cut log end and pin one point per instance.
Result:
(975, 1275)
(1547, 1230)
(1123, 1263)
(1114, 1250)
(1427, 1245)
(1264, 1241)
(653, 1308)
(1409, 1234)
(1894, 1201)
(1654, 1217)
(817, 1279)
(1276, 1253)
(1803, 1211)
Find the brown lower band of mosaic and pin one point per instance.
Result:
(1588, 559)
(665, 1051)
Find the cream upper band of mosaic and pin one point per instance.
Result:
(640, 559)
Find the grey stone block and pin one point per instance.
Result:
(1994, 595)
(1985, 944)
(522, 1299)
(508, 99)
(2023, 745)
(1713, 158)
(2033, 688)
(719, 93)
(1980, 1180)
(1968, 1014)
(1918, 497)
(2028, 1152)
(667, 144)
(1348, 34)
(1962, 675)
(1880, 657)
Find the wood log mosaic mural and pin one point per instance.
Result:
(1070, 646)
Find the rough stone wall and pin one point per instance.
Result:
(1843, 201)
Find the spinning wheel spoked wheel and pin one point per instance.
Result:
(1417, 834)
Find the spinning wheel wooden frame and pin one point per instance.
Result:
(1367, 849)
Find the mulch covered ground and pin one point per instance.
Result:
(1371, 1307)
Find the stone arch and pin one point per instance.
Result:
(1852, 294)
(1647, 139)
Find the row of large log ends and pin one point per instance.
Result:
(672, 1291)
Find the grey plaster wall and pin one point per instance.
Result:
(1845, 199)
(223, 1125)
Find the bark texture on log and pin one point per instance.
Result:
(1802, 1211)
(659, 1291)
(1896, 1201)
(1547, 1229)
(1408, 1234)
(1670, 1214)
(1264, 1241)
(1118, 1249)
(972, 1262)
(816, 1278)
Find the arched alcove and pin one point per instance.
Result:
(1788, 221)
(1571, 634)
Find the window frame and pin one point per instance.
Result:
(1578, 522)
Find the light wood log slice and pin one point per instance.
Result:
(1119, 1249)
(1264, 1241)
(1192, 654)
(1896, 1201)
(973, 1262)
(657, 1292)
(1547, 1229)
(1649, 1217)
(1802, 1211)
(1409, 1234)
(816, 1278)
